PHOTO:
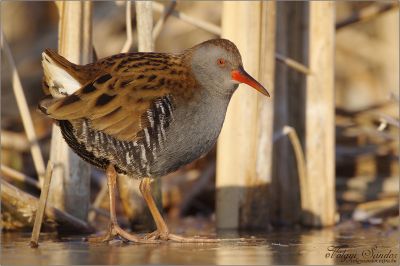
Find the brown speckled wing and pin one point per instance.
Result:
(128, 95)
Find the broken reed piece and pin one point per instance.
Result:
(18, 176)
(301, 165)
(41, 207)
(367, 13)
(293, 64)
(14, 141)
(22, 205)
(387, 120)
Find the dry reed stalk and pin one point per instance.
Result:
(255, 210)
(144, 21)
(244, 146)
(128, 42)
(320, 116)
(285, 200)
(207, 26)
(15, 175)
(70, 189)
(41, 207)
(24, 111)
(165, 15)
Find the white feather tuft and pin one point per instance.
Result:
(60, 82)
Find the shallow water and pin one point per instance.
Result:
(322, 247)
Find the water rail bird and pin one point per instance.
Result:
(144, 114)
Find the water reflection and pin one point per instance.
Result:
(277, 247)
(315, 247)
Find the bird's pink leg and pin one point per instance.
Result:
(114, 229)
(162, 231)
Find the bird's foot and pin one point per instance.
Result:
(115, 231)
(157, 235)
(103, 238)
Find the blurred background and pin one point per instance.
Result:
(366, 79)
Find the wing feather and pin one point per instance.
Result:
(119, 112)
(122, 94)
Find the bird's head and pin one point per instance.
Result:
(217, 65)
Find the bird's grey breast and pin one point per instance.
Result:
(193, 132)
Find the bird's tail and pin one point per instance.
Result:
(59, 78)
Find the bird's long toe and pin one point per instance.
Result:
(156, 235)
(115, 231)
(182, 239)
(110, 235)
(133, 238)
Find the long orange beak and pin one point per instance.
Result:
(241, 76)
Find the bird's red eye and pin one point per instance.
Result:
(221, 62)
